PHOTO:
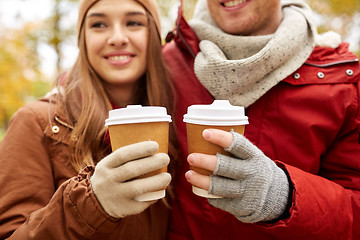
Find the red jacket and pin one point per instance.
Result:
(309, 125)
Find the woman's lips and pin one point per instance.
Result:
(119, 59)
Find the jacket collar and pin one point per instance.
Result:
(58, 126)
(184, 36)
(60, 113)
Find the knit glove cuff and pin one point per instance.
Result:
(253, 186)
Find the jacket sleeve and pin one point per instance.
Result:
(327, 205)
(32, 206)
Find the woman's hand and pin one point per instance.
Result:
(113, 181)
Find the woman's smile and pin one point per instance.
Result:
(119, 59)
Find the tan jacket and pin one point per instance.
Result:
(43, 197)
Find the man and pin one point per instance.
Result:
(296, 173)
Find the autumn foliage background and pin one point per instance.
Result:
(21, 77)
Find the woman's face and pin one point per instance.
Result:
(116, 37)
(246, 17)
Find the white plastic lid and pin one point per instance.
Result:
(137, 114)
(219, 113)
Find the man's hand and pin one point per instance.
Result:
(252, 186)
(204, 161)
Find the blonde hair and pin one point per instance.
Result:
(87, 103)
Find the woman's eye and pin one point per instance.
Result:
(98, 25)
(135, 23)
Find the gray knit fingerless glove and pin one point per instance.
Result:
(253, 187)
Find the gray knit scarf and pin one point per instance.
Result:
(243, 68)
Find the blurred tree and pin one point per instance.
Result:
(167, 5)
(19, 64)
(335, 7)
(341, 16)
(57, 32)
(21, 80)
(189, 7)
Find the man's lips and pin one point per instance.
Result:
(232, 3)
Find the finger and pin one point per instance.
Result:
(130, 152)
(198, 180)
(144, 185)
(204, 161)
(242, 147)
(139, 167)
(234, 168)
(218, 137)
(226, 187)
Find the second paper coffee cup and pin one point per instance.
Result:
(219, 115)
(137, 123)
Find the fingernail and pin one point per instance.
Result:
(188, 175)
(206, 134)
(191, 158)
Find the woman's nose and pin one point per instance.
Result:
(118, 37)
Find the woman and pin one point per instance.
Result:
(51, 184)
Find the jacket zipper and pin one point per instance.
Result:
(332, 64)
(183, 40)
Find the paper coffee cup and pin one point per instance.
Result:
(219, 115)
(137, 123)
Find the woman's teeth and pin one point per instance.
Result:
(118, 58)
